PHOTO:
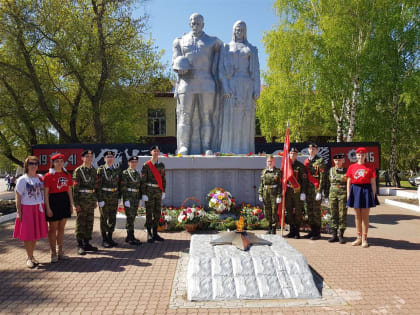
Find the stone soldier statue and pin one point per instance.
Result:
(153, 184)
(108, 195)
(195, 58)
(84, 197)
(130, 189)
(338, 198)
(316, 172)
(270, 193)
(295, 194)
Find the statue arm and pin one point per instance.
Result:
(223, 75)
(255, 72)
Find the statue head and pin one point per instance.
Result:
(196, 24)
(239, 31)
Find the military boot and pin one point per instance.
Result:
(149, 235)
(269, 230)
(316, 235)
(311, 232)
(80, 248)
(274, 230)
(111, 241)
(292, 232)
(334, 237)
(129, 237)
(105, 241)
(135, 241)
(297, 229)
(88, 247)
(156, 236)
(341, 237)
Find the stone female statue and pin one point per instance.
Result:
(240, 78)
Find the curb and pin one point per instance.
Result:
(8, 217)
(402, 205)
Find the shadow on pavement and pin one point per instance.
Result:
(396, 244)
(391, 218)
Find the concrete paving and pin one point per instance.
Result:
(381, 279)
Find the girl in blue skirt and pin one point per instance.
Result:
(361, 193)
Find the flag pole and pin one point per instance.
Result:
(283, 204)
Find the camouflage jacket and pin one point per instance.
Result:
(84, 178)
(317, 169)
(108, 179)
(148, 178)
(270, 178)
(130, 184)
(337, 180)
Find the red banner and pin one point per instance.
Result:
(72, 157)
(372, 156)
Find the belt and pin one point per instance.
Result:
(152, 185)
(338, 186)
(109, 189)
(132, 189)
(88, 191)
(270, 186)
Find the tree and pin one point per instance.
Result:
(74, 57)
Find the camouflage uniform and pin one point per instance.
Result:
(269, 191)
(294, 205)
(108, 191)
(337, 199)
(130, 190)
(316, 168)
(150, 188)
(84, 196)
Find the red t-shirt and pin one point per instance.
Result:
(58, 182)
(360, 174)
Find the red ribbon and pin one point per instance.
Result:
(156, 174)
(312, 179)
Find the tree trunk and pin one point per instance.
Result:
(394, 136)
(353, 108)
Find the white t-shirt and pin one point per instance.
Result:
(31, 189)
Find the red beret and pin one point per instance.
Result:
(57, 156)
(361, 150)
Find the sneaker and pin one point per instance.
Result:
(357, 242)
(54, 258)
(62, 256)
(365, 244)
(29, 263)
(36, 262)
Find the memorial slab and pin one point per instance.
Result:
(224, 272)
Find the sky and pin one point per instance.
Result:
(169, 19)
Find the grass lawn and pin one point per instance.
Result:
(404, 184)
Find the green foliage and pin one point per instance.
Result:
(74, 71)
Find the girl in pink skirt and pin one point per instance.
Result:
(30, 224)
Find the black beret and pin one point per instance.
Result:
(338, 156)
(133, 158)
(109, 153)
(87, 152)
(312, 145)
(154, 147)
(294, 150)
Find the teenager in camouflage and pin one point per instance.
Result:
(108, 194)
(295, 194)
(131, 194)
(316, 172)
(338, 198)
(84, 196)
(153, 184)
(269, 193)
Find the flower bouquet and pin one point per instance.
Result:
(253, 216)
(220, 200)
(190, 217)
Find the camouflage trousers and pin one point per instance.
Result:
(131, 213)
(313, 207)
(338, 210)
(84, 220)
(293, 207)
(109, 212)
(153, 207)
(270, 209)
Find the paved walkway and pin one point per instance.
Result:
(383, 279)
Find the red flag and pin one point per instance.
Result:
(287, 173)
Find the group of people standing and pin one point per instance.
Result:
(53, 197)
(354, 187)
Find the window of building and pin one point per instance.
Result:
(156, 122)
